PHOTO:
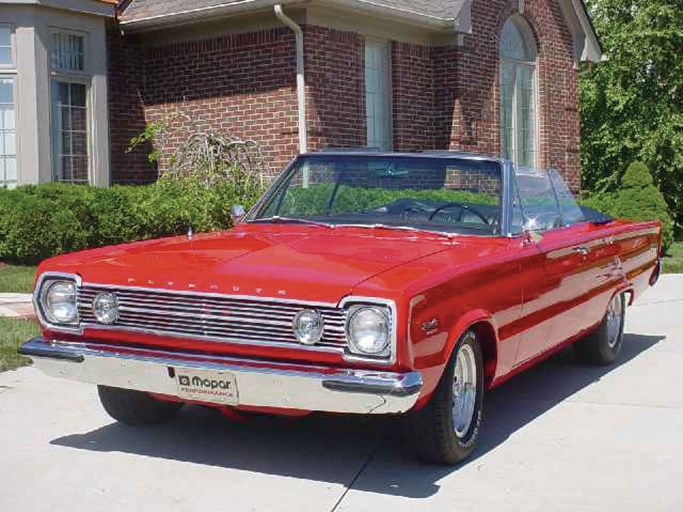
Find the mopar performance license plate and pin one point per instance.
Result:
(206, 386)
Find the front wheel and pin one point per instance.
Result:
(602, 346)
(445, 431)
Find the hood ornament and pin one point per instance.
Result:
(190, 233)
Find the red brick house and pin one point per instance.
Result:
(490, 76)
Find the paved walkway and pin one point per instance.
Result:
(560, 437)
(16, 305)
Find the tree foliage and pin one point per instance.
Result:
(632, 104)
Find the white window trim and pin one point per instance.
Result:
(536, 98)
(13, 76)
(388, 93)
(86, 71)
(83, 77)
(515, 110)
(88, 126)
(12, 66)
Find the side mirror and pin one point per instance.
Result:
(237, 214)
(532, 237)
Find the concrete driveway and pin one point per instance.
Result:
(560, 437)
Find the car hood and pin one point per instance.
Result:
(299, 262)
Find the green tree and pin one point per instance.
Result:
(631, 104)
(639, 199)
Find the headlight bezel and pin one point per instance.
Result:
(45, 282)
(387, 308)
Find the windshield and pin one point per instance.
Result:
(454, 195)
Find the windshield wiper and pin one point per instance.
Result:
(277, 219)
(379, 225)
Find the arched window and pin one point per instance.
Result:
(518, 92)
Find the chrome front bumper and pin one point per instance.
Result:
(259, 383)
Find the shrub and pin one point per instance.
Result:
(39, 221)
(640, 199)
(637, 199)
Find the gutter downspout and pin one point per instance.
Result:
(300, 76)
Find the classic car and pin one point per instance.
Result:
(361, 282)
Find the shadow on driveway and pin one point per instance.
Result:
(318, 447)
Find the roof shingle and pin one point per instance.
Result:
(145, 9)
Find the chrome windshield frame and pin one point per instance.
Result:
(507, 180)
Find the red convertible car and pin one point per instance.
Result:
(362, 282)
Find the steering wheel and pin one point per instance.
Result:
(463, 208)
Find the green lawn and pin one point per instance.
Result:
(673, 262)
(16, 279)
(13, 332)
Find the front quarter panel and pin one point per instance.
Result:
(441, 296)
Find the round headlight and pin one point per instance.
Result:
(308, 326)
(368, 331)
(60, 302)
(105, 307)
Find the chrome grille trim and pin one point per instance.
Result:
(212, 317)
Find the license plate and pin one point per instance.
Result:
(206, 386)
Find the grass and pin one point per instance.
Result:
(16, 279)
(673, 261)
(14, 332)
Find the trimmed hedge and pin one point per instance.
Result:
(638, 198)
(40, 221)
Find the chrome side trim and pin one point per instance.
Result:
(259, 383)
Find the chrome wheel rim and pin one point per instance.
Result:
(615, 311)
(464, 390)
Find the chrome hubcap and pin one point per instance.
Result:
(464, 390)
(615, 311)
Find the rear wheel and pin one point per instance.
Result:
(602, 346)
(136, 407)
(446, 430)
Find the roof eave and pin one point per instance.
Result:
(200, 14)
(246, 6)
(592, 50)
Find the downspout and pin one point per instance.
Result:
(300, 76)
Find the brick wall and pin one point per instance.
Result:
(444, 97)
(240, 85)
(467, 95)
(126, 111)
(413, 96)
(335, 92)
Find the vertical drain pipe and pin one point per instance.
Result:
(300, 77)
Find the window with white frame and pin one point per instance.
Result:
(6, 46)
(8, 111)
(70, 108)
(68, 51)
(518, 93)
(378, 94)
(8, 132)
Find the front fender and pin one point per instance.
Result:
(432, 374)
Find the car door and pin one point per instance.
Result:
(553, 308)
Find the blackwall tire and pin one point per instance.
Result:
(135, 407)
(438, 432)
(602, 346)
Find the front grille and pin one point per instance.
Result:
(212, 317)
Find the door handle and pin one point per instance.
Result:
(582, 250)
